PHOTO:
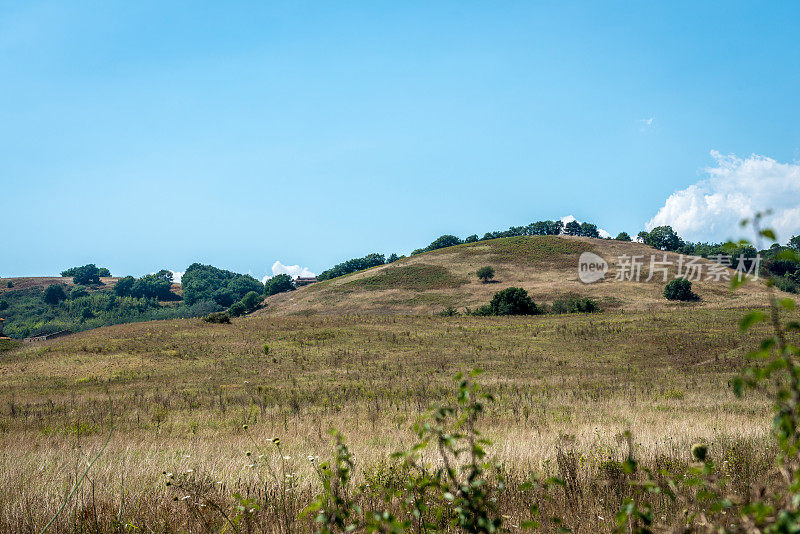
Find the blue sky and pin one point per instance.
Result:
(142, 136)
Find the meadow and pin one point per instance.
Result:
(191, 399)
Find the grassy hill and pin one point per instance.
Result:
(546, 266)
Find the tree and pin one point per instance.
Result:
(205, 282)
(589, 230)
(124, 286)
(443, 241)
(86, 275)
(513, 301)
(572, 228)
(485, 274)
(662, 238)
(152, 286)
(471, 239)
(54, 294)
(251, 301)
(794, 243)
(104, 272)
(392, 258)
(623, 236)
(680, 289)
(354, 265)
(237, 309)
(279, 283)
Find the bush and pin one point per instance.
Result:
(680, 289)
(78, 292)
(9, 284)
(573, 304)
(3, 305)
(251, 301)
(510, 301)
(237, 309)
(450, 311)
(785, 283)
(485, 274)
(54, 294)
(85, 275)
(218, 318)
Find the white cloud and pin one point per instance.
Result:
(176, 276)
(569, 218)
(647, 122)
(734, 189)
(292, 270)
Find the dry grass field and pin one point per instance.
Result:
(566, 389)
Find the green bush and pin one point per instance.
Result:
(450, 311)
(237, 309)
(785, 283)
(218, 318)
(680, 289)
(9, 284)
(78, 292)
(574, 304)
(510, 301)
(54, 294)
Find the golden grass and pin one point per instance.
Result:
(182, 391)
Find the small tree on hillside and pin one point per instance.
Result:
(589, 230)
(485, 274)
(278, 284)
(54, 294)
(680, 289)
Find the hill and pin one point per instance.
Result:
(546, 266)
(41, 282)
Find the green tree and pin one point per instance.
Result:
(680, 289)
(623, 236)
(444, 241)
(279, 283)
(513, 301)
(572, 228)
(124, 286)
(662, 238)
(485, 274)
(471, 239)
(251, 301)
(102, 271)
(86, 275)
(54, 294)
(589, 230)
(237, 309)
(794, 243)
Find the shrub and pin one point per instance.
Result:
(785, 283)
(574, 304)
(54, 294)
(9, 284)
(85, 275)
(218, 318)
(485, 274)
(251, 301)
(78, 292)
(510, 301)
(4, 304)
(237, 309)
(450, 311)
(680, 289)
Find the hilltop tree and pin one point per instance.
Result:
(794, 243)
(124, 286)
(471, 239)
(589, 230)
(572, 228)
(279, 283)
(54, 294)
(443, 241)
(86, 275)
(623, 236)
(662, 238)
(485, 274)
